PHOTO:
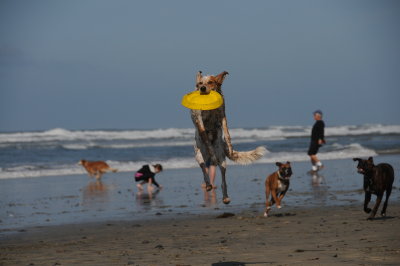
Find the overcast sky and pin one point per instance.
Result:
(126, 64)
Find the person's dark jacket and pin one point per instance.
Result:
(318, 131)
(147, 174)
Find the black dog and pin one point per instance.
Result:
(377, 179)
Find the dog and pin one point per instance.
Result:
(377, 179)
(213, 141)
(277, 184)
(97, 168)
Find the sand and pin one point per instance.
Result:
(291, 235)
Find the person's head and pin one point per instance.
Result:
(318, 115)
(158, 168)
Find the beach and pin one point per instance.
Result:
(73, 219)
(302, 236)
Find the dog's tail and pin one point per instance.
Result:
(113, 170)
(247, 157)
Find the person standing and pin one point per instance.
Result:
(317, 140)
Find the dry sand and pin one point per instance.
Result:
(304, 236)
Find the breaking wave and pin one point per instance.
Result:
(31, 170)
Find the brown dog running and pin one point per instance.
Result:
(377, 179)
(97, 168)
(277, 184)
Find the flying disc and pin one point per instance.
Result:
(195, 100)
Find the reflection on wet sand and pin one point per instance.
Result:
(210, 197)
(320, 189)
(95, 192)
(149, 199)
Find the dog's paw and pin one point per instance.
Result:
(226, 200)
(279, 206)
(265, 214)
(367, 210)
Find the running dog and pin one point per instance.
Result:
(377, 179)
(96, 169)
(277, 184)
(213, 141)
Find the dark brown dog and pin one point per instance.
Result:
(277, 184)
(96, 169)
(377, 179)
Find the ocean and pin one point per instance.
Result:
(42, 184)
(56, 152)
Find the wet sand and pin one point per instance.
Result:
(292, 235)
(74, 220)
(48, 201)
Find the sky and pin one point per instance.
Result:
(99, 64)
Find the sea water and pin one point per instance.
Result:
(41, 183)
(56, 152)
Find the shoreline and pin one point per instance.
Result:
(49, 201)
(310, 235)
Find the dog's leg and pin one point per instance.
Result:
(375, 209)
(281, 195)
(366, 202)
(98, 174)
(267, 203)
(227, 136)
(388, 192)
(275, 199)
(224, 186)
(206, 176)
(198, 121)
(202, 164)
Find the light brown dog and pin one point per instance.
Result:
(97, 168)
(277, 184)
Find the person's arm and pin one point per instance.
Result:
(152, 180)
(321, 133)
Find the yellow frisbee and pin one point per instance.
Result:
(195, 100)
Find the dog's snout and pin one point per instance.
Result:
(203, 89)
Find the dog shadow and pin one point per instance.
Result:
(237, 263)
(382, 218)
(282, 214)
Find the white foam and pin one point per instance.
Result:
(348, 151)
(270, 133)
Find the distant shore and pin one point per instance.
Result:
(304, 236)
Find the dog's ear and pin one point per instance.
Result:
(287, 162)
(356, 159)
(371, 160)
(278, 164)
(198, 76)
(220, 77)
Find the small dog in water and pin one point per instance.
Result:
(377, 179)
(277, 184)
(97, 168)
(213, 142)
